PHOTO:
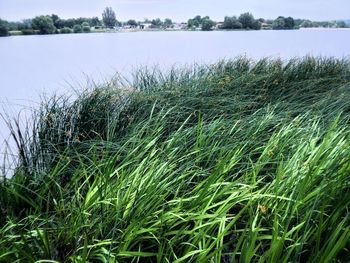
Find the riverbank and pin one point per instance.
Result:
(130, 30)
(133, 30)
(323, 28)
(238, 160)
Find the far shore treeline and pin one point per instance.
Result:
(53, 24)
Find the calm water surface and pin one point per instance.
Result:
(31, 65)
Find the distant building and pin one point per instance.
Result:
(219, 25)
(179, 26)
(184, 25)
(145, 26)
(265, 26)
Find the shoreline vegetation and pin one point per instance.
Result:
(238, 161)
(128, 30)
(53, 24)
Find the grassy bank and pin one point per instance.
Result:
(239, 161)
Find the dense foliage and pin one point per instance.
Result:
(66, 30)
(249, 22)
(207, 24)
(194, 22)
(239, 161)
(283, 23)
(157, 23)
(54, 24)
(61, 23)
(232, 23)
(168, 23)
(132, 22)
(77, 29)
(4, 28)
(44, 24)
(85, 27)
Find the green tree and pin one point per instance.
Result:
(86, 27)
(109, 18)
(207, 24)
(298, 22)
(81, 20)
(70, 22)
(247, 20)
(256, 25)
(44, 24)
(25, 24)
(65, 30)
(191, 23)
(198, 19)
(168, 23)
(194, 22)
(132, 23)
(307, 23)
(341, 24)
(13, 25)
(227, 22)
(231, 23)
(289, 22)
(55, 19)
(95, 21)
(279, 23)
(4, 28)
(156, 23)
(77, 29)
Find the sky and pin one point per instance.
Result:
(178, 10)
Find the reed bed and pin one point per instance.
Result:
(239, 161)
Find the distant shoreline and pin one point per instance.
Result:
(19, 33)
(324, 29)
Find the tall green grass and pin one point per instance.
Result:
(239, 161)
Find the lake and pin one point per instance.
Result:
(32, 65)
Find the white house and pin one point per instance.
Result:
(145, 26)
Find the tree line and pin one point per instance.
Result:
(246, 21)
(51, 24)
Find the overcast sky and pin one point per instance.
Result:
(178, 10)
